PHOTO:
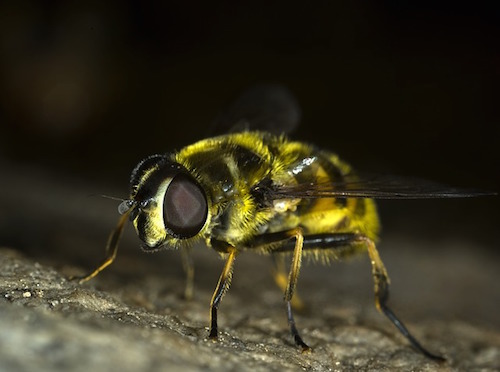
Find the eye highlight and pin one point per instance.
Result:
(185, 207)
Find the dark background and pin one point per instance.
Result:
(88, 89)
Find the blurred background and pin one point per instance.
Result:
(87, 89)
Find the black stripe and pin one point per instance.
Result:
(335, 173)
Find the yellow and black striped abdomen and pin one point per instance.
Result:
(327, 215)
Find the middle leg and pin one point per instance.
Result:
(292, 283)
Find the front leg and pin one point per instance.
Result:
(111, 249)
(220, 290)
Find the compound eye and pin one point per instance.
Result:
(185, 207)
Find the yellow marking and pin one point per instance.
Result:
(281, 280)
(225, 278)
(296, 262)
(379, 271)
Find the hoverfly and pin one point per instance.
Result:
(252, 190)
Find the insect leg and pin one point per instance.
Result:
(220, 290)
(187, 265)
(381, 280)
(281, 242)
(111, 248)
(346, 243)
(281, 279)
(286, 241)
(292, 282)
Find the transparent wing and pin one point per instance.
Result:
(372, 186)
(267, 107)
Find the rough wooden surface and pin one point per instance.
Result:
(445, 287)
(132, 317)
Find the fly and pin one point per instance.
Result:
(254, 190)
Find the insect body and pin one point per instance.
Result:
(221, 190)
(257, 191)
